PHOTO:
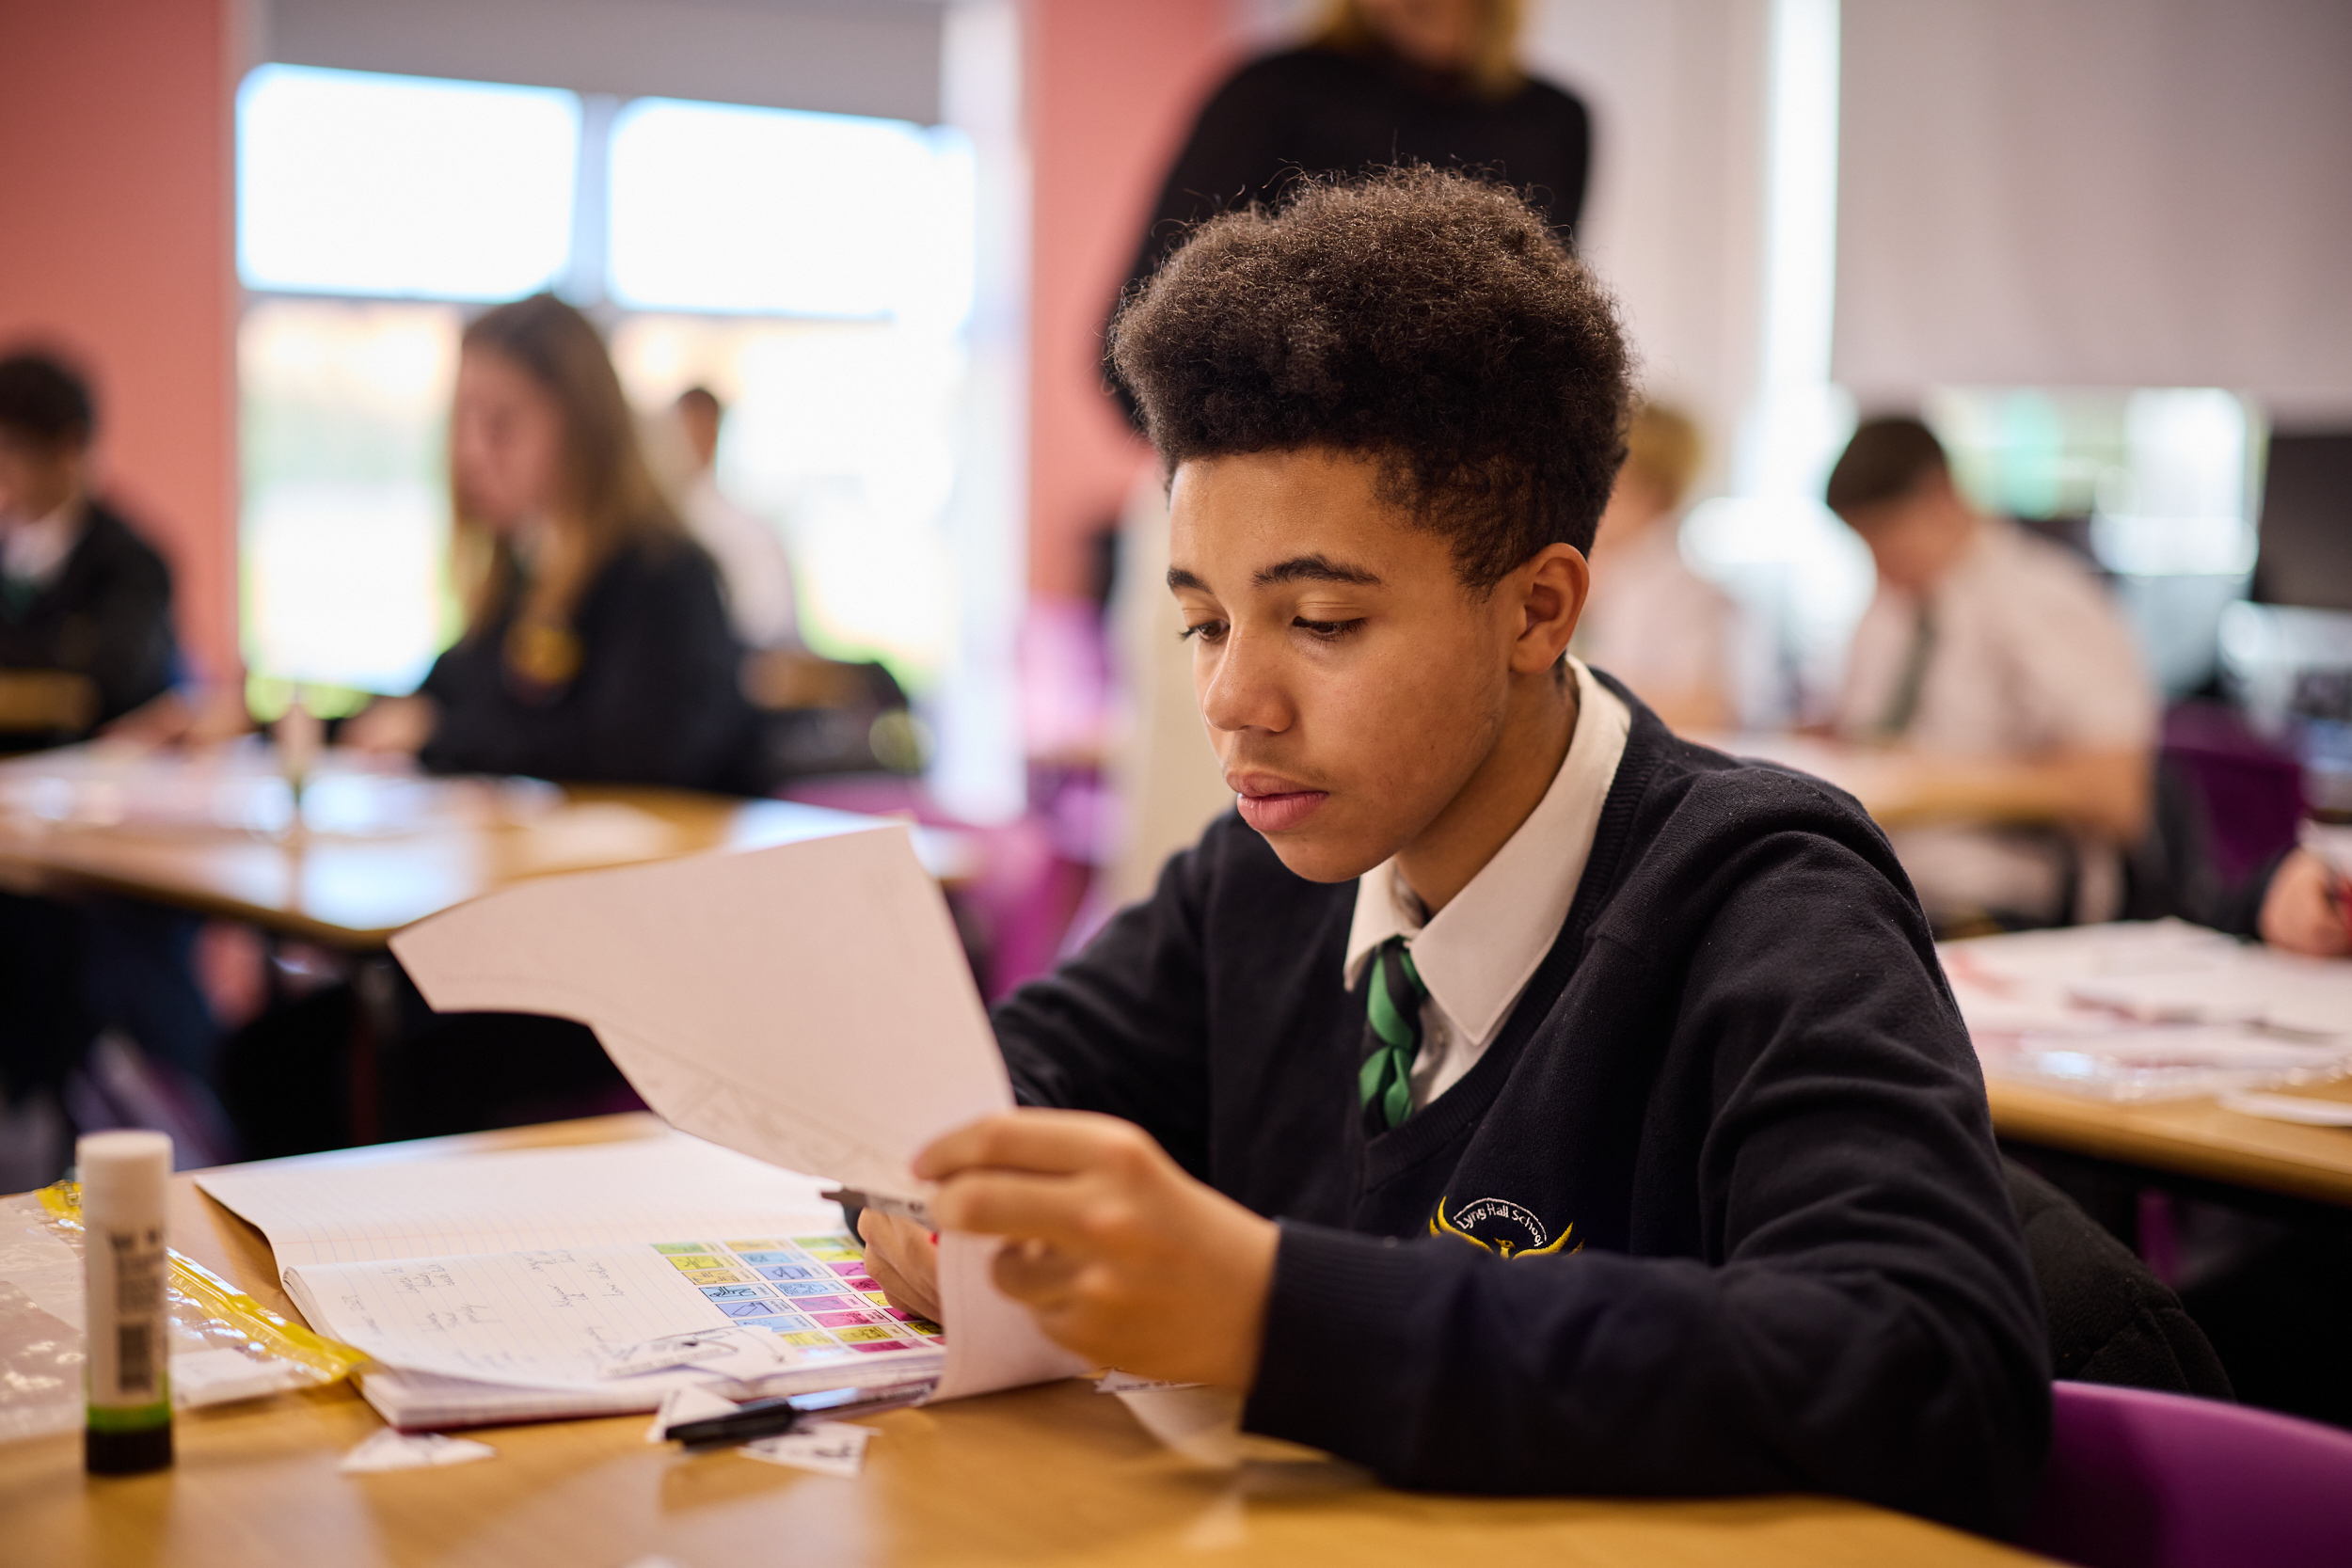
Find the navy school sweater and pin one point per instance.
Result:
(1717, 1212)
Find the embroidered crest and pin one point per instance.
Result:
(1501, 1226)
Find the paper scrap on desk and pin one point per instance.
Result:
(1200, 1423)
(829, 1448)
(1117, 1382)
(394, 1450)
(740, 1354)
(690, 1404)
(809, 1005)
(2289, 1107)
(223, 1376)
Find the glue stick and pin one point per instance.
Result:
(128, 1356)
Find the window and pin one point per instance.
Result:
(353, 184)
(768, 211)
(816, 271)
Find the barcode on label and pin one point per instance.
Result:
(134, 1357)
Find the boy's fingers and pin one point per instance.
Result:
(1034, 1271)
(1009, 1203)
(1037, 1140)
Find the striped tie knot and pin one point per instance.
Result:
(1392, 1004)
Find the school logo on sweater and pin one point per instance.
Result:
(1501, 1226)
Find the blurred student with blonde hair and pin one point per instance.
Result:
(1652, 622)
(597, 646)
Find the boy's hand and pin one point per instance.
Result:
(1123, 1257)
(904, 1260)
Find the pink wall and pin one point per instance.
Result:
(116, 178)
(1113, 86)
(116, 187)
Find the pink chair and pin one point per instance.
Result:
(2142, 1479)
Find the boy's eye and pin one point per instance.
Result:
(1328, 631)
(1208, 631)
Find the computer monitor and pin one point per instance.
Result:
(2306, 556)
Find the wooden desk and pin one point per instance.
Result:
(2189, 1137)
(1046, 1475)
(354, 891)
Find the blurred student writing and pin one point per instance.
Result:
(1652, 622)
(85, 647)
(1996, 662)
(86, 634)
(597, 646)
(751, 558)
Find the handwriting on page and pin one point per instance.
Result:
(558, 1317)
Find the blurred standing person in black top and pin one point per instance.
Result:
(86, 647)
(85, 602)
(1380, 83)
(597, 646)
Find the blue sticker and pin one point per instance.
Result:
(733, 1292)
(768, 1256)
(786, 1271)
(752, 1309)
(810, 1288)
(790, 1323)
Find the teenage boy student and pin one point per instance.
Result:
(1509, 1097)
(1996, 663)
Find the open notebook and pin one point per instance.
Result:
(514, 1286)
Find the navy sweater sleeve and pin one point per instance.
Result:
(1120, 1028)
(1856, 1316)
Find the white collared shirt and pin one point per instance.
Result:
(1478, 953)
(36, 551)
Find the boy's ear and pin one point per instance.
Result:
(1551, 589)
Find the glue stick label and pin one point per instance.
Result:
(129, 1353)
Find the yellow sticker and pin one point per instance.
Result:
(867, 1332)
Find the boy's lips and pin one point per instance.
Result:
(1273, 804)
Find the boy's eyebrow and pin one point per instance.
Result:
(1315, 568)
(1298, 568)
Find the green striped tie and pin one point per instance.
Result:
(1391, 1036)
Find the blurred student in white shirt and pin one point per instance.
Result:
(1995, 662)
(751, 556)
(1652, 622)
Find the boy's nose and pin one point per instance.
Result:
(1240, 691)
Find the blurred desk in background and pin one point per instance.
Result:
(1056, 1473)
(374, 849)
(2200, 1139)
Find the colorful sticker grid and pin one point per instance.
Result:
(812, 1289)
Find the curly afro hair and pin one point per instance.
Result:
(1427, 319)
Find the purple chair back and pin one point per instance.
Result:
(2142, 1479)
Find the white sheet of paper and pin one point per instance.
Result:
(829, 1448)
(693, 1402)
(2288, 1107)
(391, 1450)
(357, 1210)
(992, 1342)
(808, 1004)
(554, 1317)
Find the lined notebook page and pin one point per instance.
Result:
(645, 1190)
